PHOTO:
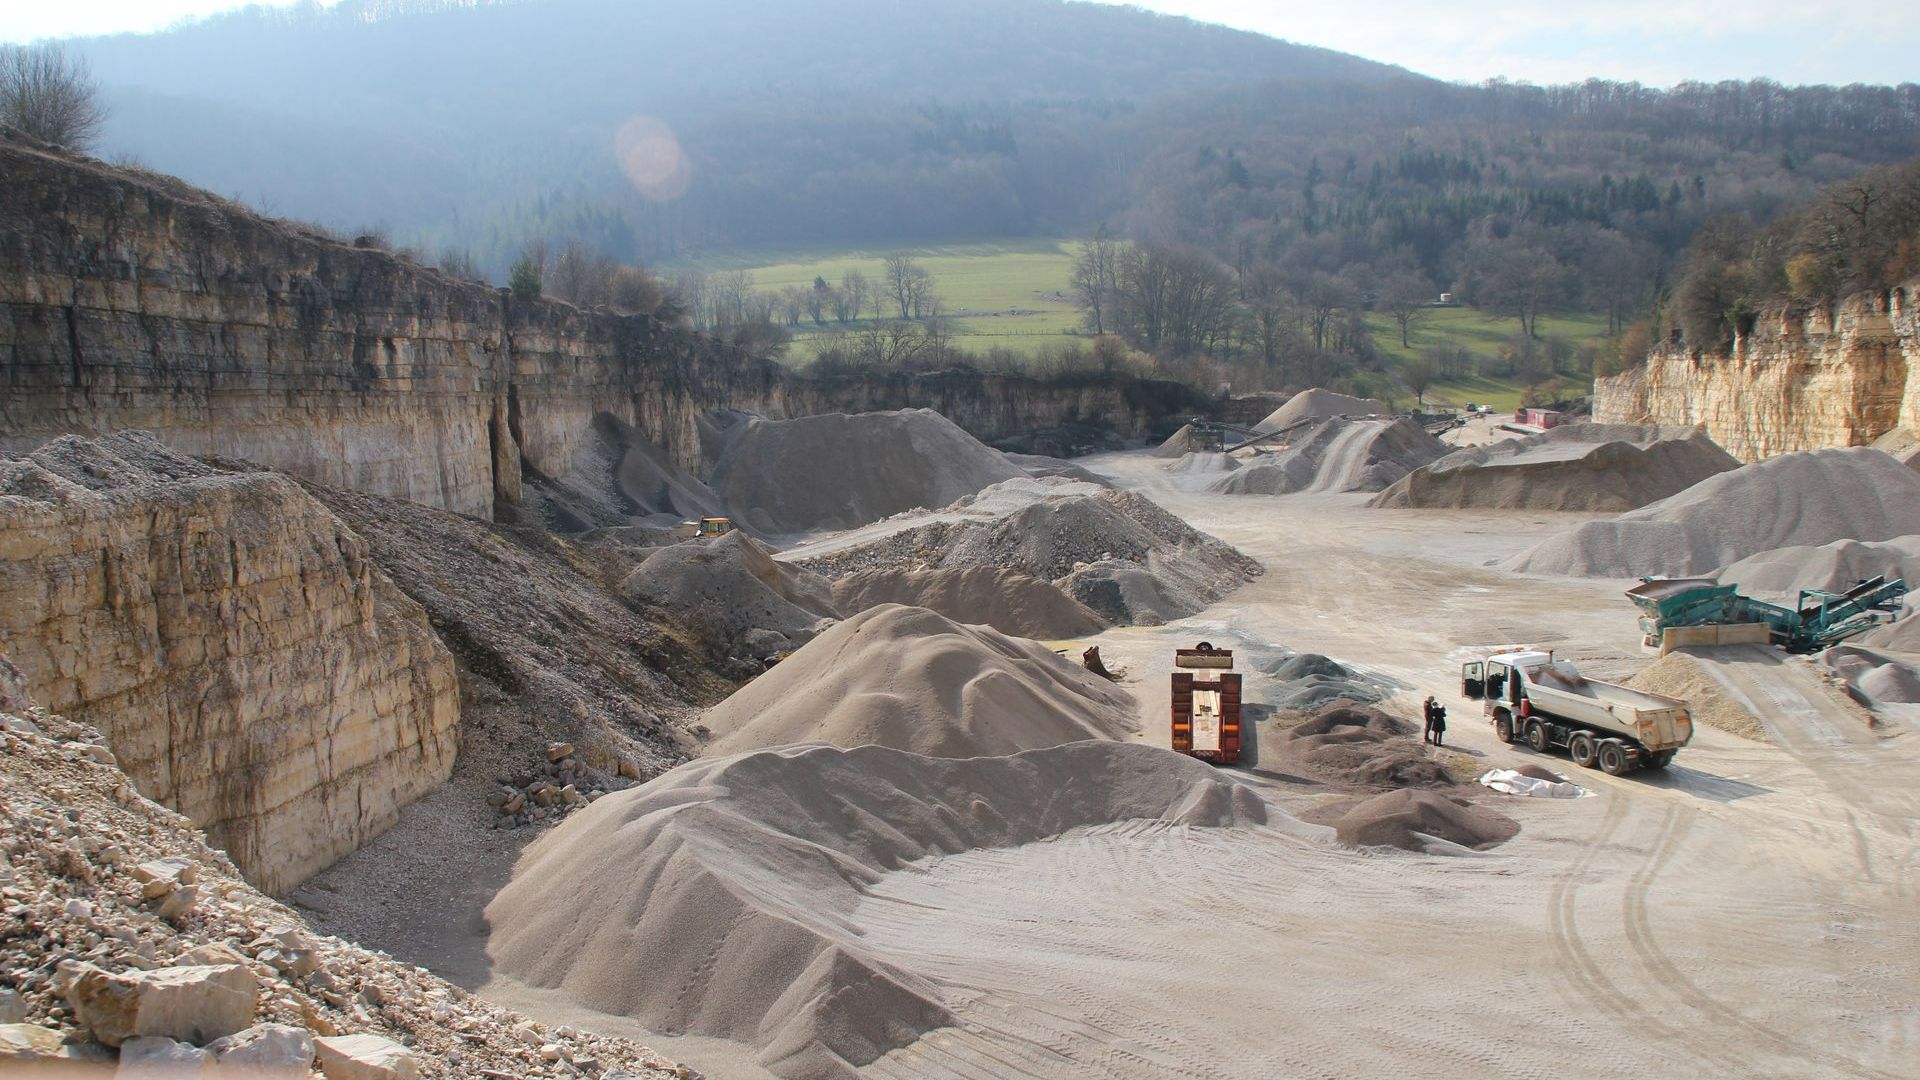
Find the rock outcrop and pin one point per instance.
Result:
(1803, 379)
(248, 662)
(131, 300)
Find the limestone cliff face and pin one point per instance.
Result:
(249, 664)
(129, 300)
(1833, 376)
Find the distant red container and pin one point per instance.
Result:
(1540, 418)
(1206, 709)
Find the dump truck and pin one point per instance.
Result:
(1206, 704)
(1546, 703)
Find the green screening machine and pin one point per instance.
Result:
(1819, 620)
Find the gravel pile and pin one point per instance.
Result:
(127, 940)
(1580, 467)
(1796, 499)
(751, 869)
(1007, 600)
(1310, 681)
(1338, 455)
(1903, 445)
(1116, 552)
(1780, 574)
(1405, 819)
(1684, 676)
(1350, 745)
(732, 594)
(840, 472)
(1318, 404)
(1874, 678)
(910, 679)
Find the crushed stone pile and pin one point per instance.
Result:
(1203, 464)
(1318, 404)
(839, 472)
(1309, 681)
(131, 943)
(1577, 467)
(1901, 636)
(1179, 444)
(1687, 677)
(1351, 745)
(1041, 465)
(727, 885)
(1780, 574)
(911, 679)
(1874, 678)
(732, 593)
(1338, 454)
(1795, 499)
(1007, 600)
(1117, 552)
(1405, 819)
(650, 482)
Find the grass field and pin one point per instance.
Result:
(1010, 294)
(1014, 294)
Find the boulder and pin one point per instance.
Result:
(151, 1057)
(266, 1051)
(29, 1042)
(192, 1004)
(365, 1057)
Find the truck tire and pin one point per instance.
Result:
(1537, 736)
(1660, 760)
(1503, 727)
(1581, 749)
(1613, 758)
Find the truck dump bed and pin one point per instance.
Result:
(1659, 722)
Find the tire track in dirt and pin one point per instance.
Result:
(1668, 975)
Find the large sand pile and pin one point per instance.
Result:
(840, 472)
(1310, 681)
(1117, 552)
(1338, 455)
(1318, 404)
(913, 680)
(1797, 499)
(723, 891)
(1685, 676)
(1007, 600)
(732, 593)
(1780, 574)
(650, 481)
(1588, 467)
(1350, 745)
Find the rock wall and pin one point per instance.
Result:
(1833, 376)
(130, 300)
(249, 664)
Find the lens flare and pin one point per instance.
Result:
(649, 153)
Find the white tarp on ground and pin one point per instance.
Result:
(1515, 783)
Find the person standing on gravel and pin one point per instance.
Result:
(1430, 707)
(1437, 723)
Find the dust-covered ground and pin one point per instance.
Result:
(1748, 912)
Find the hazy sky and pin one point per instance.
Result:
(1795, 41)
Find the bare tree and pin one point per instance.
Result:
(50, 95)
(1408, 297)
(1093, 278)
(819, 299)
(856, 293)
(909, 284)
(731, 294)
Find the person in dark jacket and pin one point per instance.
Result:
(1438, 724)
(1430, 707)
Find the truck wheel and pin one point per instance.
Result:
(1503, 727)
(1537, 736)
(1580, 747)
(1613, 758)
(1660, 760)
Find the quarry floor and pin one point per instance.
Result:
(1749, 912)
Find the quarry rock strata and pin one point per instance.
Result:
(129, 300)
(247, 661)
(1802, 379)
